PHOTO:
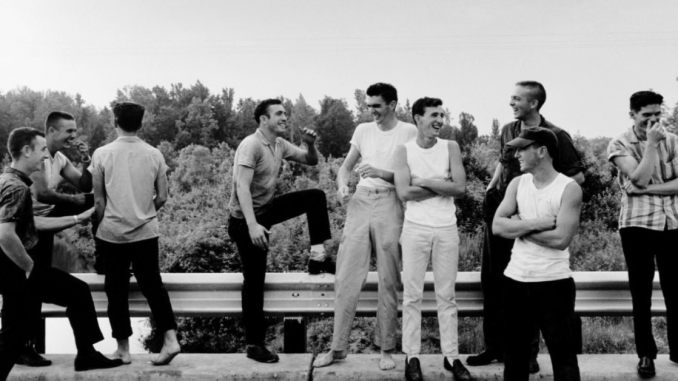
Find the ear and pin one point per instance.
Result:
(632, 114)
(393, 104)
(534, 103)
(26, 150)
(417, 119)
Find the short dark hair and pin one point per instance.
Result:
(128, 115)
(385, 90)
(538, 88)
(19, 138)
(641, 99)
(262, 107)
(54, 117)
(419, 107)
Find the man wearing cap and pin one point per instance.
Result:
(540, 211)
(647, 158)
(526, 101)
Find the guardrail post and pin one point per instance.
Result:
(40, 336)
(295, 335)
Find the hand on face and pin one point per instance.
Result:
(655, 132)
(82, 149)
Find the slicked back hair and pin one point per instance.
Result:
(538, 90)
(385, 90)
(262, 108)
(419, 107)
(641, 99)
(128, 115)
(19, 138)
(54, 117)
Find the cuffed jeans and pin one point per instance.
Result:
(641, 246)
(548, 306)
(311, 202)
(374, 221)
(421, 245)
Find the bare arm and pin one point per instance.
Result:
(406, 191)
(99, 197)
(578, 178)
(640, 174)
(81, 180)
(567, 221)
(310, 155)
(243, 182)
(666, 189)
(12, 247)
(495, 177)
(511, 228)
(57, 224)
(344, 174)
(161, 191)
(48, 196)
(456, 187)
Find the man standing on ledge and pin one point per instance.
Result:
(254, 209)
(526, 101)
(374, 220)
(647, 158)
(541, 213)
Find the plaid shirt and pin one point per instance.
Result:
(16, 205)
(646, 210)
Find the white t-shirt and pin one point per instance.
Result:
(377, 148)
(51, 170)
(531, 262)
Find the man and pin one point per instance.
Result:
(541, 213)
(647, 159)
(254, 209)
(428, 175)
(526, 101)
(373, 225)
(60, 132)
(130, 186)
(24, 285)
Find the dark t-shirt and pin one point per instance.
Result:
(16, 205)
(568, 161)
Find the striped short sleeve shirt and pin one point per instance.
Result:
(648, 211)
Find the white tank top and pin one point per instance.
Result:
(434, 164)
(531, 262)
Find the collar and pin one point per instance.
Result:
(128, 138)
(24, 177)
(633, 138)
(263, 139)
(542, 123)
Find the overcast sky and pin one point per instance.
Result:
(591, 55)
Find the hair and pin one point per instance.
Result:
(386, 91)
(419, 107)
(262, 108)
(54, 117)
(19, 138)
(645, 98)
(539, 92)
(128, 115)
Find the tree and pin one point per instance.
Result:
(468, 132)
(199, 126)
(363, 114)
(303, 115)
(495, 130)
(334, 126)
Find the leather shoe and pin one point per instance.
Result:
(534, 366)
(261, 354)
(94, 360)
(30, 357)
(484, 358)
(458, 370)
(413, 370)
(646, 367)
(325, 266)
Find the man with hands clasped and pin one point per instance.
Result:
(254, 209)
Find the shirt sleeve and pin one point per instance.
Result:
(12, 204)
(162, 166)
(96, 167)
(248, 154)
(357, 137)
(617, 148)
(569, 159)
(293, 152)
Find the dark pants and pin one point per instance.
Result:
(311, 202)
(143, 256)
(23, 298)
(496, 256)
(641, 246)
(549, 307)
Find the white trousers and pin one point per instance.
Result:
(421, 245)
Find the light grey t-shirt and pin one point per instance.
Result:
(259, 154)
(129, 168)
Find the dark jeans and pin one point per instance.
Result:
(496, 256)
(23, 298)
(641, 246)
(143, 255)
(548, 306)
(311, 202)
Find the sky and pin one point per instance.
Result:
(590, 55)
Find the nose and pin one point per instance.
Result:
(517, 154)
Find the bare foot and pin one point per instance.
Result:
(166, 355)
(327, 358)
(122, 355)
(386, 361)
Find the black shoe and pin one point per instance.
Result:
(261, 354)
(413, 370)
(458, 370)
(325, 266)
(30, 357)
(673, 359)
(95, 360)
(484, 358)
(534, 366)
(646, 367)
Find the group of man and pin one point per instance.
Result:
(531, 214)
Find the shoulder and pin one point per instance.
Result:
(363, 127)
(573, 191)
(508, 127)
(61, 158)
(249, 143)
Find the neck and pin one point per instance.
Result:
(543, 174)
(531, 120)
(268, 134)
(425, 141)
(52, 148)
(20, 166)
(388, 123)
(122, 132)
(641, 134)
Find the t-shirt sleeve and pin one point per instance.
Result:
(63, 160)
(248, 154)
(568, 156)
(293, 152)
(617, 148)
(357, 137)
(162, 166)
(12, 204)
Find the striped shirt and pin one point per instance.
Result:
(648, 211)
